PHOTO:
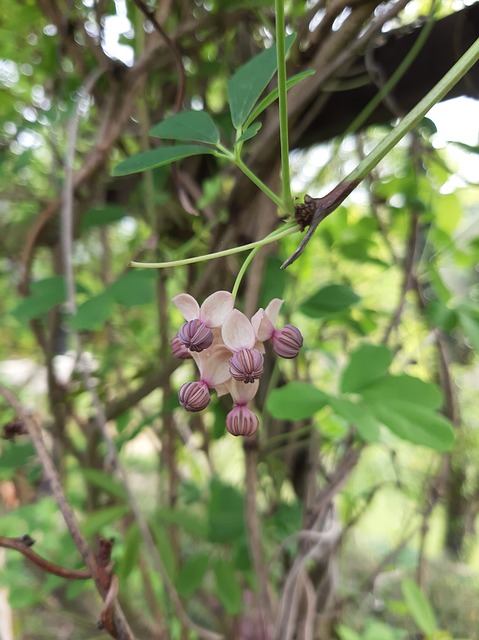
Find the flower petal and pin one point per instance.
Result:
(263, 327)
(214, 365)
(272, 310)
(187, 305)
(216, 307)
(242, 393)
(238, 332)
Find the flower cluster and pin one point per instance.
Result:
(228, 349)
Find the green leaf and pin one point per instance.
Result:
(105, 482)
(415, 423)
(191, 574)
(158, 157)
(100, 216)
(165, 549)
(189, 125)
(448, 211)
(188, 521)
(271, 97)
(273, 281)
(225, 513)
(345, 633)
(419, 607)
(367, 363)
(14, 456)
(93, 313)
(228, 588)
(45, 294)
(249, 81)
(134, 288)
(470, 326)
(296, 401)
(403, 388)
(131, 550)
(97, 520)
(329, 300)
(250, 132)
(358, 416)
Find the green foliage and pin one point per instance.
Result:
(225, 513)
(366, 364)
(249, 81)
(45, 295)
(155, 158)
(296, 401)
(419, 607)
(227, 587)
(329, 300)
(197, 126)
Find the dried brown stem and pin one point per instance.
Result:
(119, 628)
(250, 448)
(315, 210)
(150, 14)
(19, 545)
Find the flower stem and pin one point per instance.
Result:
(283, 107)
(242, 271)
(254, 178)
(286, 230)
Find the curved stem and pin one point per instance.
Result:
(272, 237)
(242, 271)
(254, 178)
(409, 121)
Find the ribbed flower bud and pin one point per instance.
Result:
(195, 335)
(194, 396)
(241, 421)
(178, 349)
(247, 365)
(287, 341)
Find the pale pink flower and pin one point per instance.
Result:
(214, 371)
(287, 341)
(241, 421)
(212, 312)
(194, 396)
(178, 348)
(195, 333)
(238, 335)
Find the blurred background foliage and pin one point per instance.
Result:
(353, 493)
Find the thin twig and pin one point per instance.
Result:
(19, 545)
(254, 531)
(150, 14)
(119, 628)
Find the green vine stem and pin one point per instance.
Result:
(242, 271)
(409, 121)
(395, 77)
(283, 107)
(285, 230)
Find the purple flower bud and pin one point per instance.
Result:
(194, 396)
(287, 341)
(241, 421)
(247, 365)
(195, 335)
(178, 349)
